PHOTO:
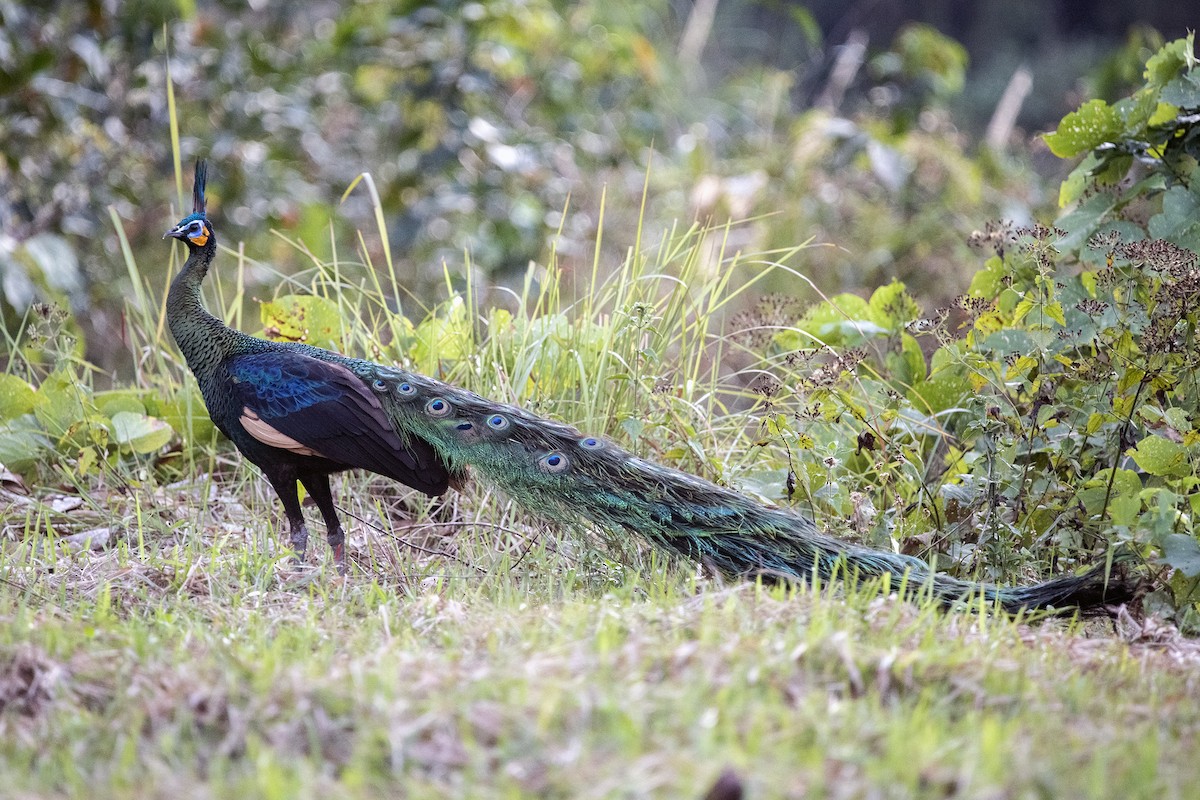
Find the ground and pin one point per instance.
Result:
(187, 657)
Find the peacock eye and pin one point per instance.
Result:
(497, 422)
(406, 389)
(590, 443)
(553, 462)
(379, 384)
(196, 227)
(437, 407)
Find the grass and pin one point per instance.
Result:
(200, 666)
(473, 652)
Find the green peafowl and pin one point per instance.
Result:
(302, 413)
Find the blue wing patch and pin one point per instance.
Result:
(282, 384)
(312, 407)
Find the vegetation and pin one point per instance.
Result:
(494, 129)
(185, 669)
(156, 640)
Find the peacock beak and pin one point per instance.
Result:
(175, 233)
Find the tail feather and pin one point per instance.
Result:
(1102, 586)
(554, 470)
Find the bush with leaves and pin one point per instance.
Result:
(1059, 414)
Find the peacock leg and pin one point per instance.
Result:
(299, 538)
(285, 486)
(318, 488)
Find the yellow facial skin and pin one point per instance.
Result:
(196, 232)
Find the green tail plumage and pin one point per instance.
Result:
(301, 414)
(553, 470)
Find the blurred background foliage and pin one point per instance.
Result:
(498, 131)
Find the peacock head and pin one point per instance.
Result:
(194, 229)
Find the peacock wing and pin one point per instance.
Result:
(312, 407)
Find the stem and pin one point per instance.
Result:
(1112, 474)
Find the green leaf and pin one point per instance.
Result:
(1055, 312)
(90, 430)
(56, 260)
(1160, 456)
(1182, 92)
(1020, 368)
(447, 335)
(1085, 219)
(88, 458)
(914, 360)
(769, 484)
(1165, 113)
(16, 397)
(1124, 501)
(1179, 221)
(117, 400)
(1136, 110)
(22, 443)
(633, 427)
(140, 433)
(302, 318)
(60, 402)
(1169, 61)
(1178, 419)
(946, 389)
(1075, 184)
(892, 307)
(187, 415)
(1010, 341)
(1023, 308)
(1182, 552)
(1095, 123)
(804, 20)
(988, 281)
(846, 319)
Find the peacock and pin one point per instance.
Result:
(301, 413)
